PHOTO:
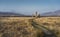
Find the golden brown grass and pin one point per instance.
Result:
(52, 23)
(16, 27)
(21, 27)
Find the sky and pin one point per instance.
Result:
(29, 6)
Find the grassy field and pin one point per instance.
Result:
(21, 26)
(52, 23)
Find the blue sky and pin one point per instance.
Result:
(29, 6)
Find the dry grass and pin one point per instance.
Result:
(21, 27)
(16, 27)
(52, 23)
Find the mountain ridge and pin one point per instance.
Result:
(55, 13)
(10, 14)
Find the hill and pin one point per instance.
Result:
(55, 13)
(10, 14)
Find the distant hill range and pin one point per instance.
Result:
(10, 14)
(55, 13)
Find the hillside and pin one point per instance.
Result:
(55, 13)
(10, 14)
